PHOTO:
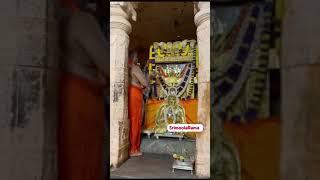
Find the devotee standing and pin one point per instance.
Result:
(83, 80)
(138, 83)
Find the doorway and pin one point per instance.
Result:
(159, 22)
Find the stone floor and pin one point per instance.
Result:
(152, 166)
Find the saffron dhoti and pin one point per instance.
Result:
(135, 116)
(80, 129)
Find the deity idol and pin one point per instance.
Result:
(171, 112)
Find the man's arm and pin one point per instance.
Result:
(90, 37)
(140, 76)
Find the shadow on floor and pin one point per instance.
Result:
(152, 166)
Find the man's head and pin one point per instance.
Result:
(133, 55)
(82, 4)
(74, 5)
(70, 5)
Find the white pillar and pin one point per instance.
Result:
(202, 21)
(120, 27)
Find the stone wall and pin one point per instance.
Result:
(300, 78)
(28, 91)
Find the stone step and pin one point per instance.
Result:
(167, 145)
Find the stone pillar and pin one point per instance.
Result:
(300, 76)
(120, 27)
(202, 21)
(28, 90)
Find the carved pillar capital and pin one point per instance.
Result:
(202, 21)
(120, 12)
(202, 12)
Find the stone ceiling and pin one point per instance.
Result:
(162, 21)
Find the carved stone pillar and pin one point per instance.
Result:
(300, 76)
(28, 90)
(120, 27)
(202, 21)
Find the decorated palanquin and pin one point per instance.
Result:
(173, 90)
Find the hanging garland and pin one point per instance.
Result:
(259, 71)
(181, 87)
(244, 66)
(228, 41)
(183, 52)
(193, 72)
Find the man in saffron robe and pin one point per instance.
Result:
(138, 82)
(82, 83)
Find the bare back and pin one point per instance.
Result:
(86, 53)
